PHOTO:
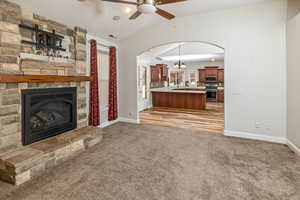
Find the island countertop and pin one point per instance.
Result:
(186, 98)
(199, 90)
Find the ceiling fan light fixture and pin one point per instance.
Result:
(147, 9)
(127, 10)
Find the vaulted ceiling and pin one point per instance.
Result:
(97, 16)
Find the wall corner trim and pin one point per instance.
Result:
(128, 120)
(293, 147)
(253, 136)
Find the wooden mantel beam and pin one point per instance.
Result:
(8, 78)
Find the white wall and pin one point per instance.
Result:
(255, 62)
(293, 54)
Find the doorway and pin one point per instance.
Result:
(182, 74)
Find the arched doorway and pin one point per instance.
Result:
(181, 84)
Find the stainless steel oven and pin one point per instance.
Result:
(211, 95)
(211, 92)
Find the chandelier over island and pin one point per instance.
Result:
(179, 65)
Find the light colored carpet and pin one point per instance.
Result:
(144, 162)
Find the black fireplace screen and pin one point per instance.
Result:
(47, 112)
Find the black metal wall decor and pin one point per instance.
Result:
(44, 40)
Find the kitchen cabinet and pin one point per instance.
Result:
(221, 75)
(211, 71)
(180, 99)
(155, 73)
(202, 75)
(159, 73)
(220, 95)
(164, 72)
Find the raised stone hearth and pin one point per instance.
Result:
(20, 165)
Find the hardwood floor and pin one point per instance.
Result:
(209, 120)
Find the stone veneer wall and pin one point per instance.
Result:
(11, 47)
(11, 63)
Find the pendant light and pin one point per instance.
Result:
(179, 65)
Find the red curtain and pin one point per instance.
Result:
(113, 98)
(94, 119)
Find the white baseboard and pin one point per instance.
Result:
(293, 147)
(238, 134)
(128, 120)
(120, 119)
(252, 136)
(108, 123)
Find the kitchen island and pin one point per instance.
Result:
(184, 98)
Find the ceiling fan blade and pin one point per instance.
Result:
(165, 14)
(162, 2)
(121, 1)
(135, 15)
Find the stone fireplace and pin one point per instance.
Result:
(42, 123)
(18, 58)
(48, 112)
(12, 109)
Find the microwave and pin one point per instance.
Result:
(211, 79)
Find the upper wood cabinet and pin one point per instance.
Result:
(155, 73)
(202, 75)
(211, 71)
(164, 72)
(159, 73)
(221, 75)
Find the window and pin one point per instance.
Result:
(174, 76)
(193, 80)
(143, 82)
(103, 70)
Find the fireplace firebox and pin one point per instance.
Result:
(48, 112)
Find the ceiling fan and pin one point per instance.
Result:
(149, 6)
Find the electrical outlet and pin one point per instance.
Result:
(258, 125)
